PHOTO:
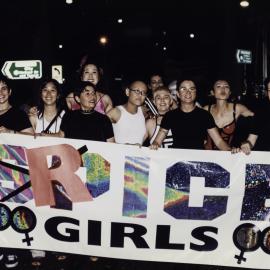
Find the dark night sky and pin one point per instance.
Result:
(33, 29)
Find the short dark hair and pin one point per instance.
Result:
(220, 79)
(155, 74)
(5, 80)
(80, 86)
(179, 81)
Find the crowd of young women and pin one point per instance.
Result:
(162, 121)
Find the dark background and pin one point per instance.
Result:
(33, 29)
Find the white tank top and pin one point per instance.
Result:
(42, 124)
(130, 128)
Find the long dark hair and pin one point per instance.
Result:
(40, 103)
(100, 83)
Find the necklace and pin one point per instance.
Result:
(87, 111)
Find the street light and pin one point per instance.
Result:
(244, 3)
(103, 40)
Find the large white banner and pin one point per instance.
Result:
(103, 199)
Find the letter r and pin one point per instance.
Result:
(41, 176)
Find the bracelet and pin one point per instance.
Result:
(248, 142)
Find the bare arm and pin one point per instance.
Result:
(27, 131)
(243, 110)
(159, 138)
(249, 143)
(206, 107)
(112, 140)
(150, 128)
(107, 103)
(114, 115)
(218, 141)
(33, 120)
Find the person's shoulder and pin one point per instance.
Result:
(237, 106)
(71, 114)
(173, 112)
(151, 121)
(202, 112)
(106, 98)
(17, 111)
(206, 107)
(100, 116)
(116, 109)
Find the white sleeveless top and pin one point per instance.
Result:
(130, 128)
(42, 124)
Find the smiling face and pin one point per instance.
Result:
(187, 92)
(91, 74)
(87, 98)
(162, 100)
(5, 92)
(221, 90)
(49, 94)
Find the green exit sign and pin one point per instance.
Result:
(21, 70)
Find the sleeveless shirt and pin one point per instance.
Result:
(130, 128)
(100, 107)
(225, 132)
(42, 124)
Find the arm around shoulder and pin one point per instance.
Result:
(107, 103)
(243, 110)
(162, 133)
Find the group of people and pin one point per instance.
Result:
(151, 116)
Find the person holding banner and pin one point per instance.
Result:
(226, 115)
(189, 124)
(149, 108)
(163, 101)
(128, 119)
(12, 120)
(49, 112)
(86, 123)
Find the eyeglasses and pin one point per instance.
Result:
(138, 92)
(184, 89)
